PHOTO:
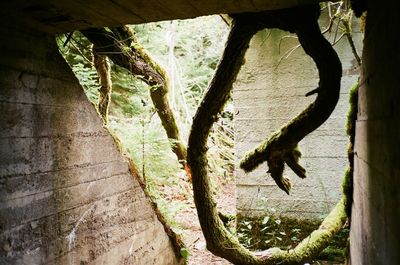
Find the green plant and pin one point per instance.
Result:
(131, 117)
(259, 233)
(272, 231)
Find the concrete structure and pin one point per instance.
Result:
(374, 234)
(269, 92)
(67, 195)
(55, 16)
(59, 168)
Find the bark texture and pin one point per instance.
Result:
(121, 46)
(303, 21)
(102, 66)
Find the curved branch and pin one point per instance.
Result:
(244, 26)
(281, 147)
(219, 240)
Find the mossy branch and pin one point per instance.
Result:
(313, 244)
(303, 21)
(281, 147)
(102, 66)
(121, 46)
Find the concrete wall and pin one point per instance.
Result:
(66, 193)
(65, 15)
(375, 230)
(268, 93)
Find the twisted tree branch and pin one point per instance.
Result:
(281, 147)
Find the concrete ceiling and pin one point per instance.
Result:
(56, 16)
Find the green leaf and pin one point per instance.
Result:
(296, 230)
(185, 253)
(265, 220)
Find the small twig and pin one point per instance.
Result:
(338, 39)
(337, 30)
(225, 19)
(284, 37)
(312, 92)
(266, 38)
(351, 41)
(194, 242)
(287, 54)
(81, 53)
(68, 39)
(328, 29)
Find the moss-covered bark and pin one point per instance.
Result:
(303, 21)
(219, 240)
(121, 46)
(102, 66)
(281, 147)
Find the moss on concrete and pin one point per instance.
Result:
(347, 183)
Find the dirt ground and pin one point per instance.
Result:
(193, 237)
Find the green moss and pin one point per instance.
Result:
(347, 184)
(332, 254)
(352, 113)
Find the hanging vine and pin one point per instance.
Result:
(102, 65)
(277, 150)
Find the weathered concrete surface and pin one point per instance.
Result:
(57, 16)
(268, 93)
(375, 230)
(66, 193)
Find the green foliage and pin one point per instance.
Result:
(189, 50)
(185, 253)
(352, 112)
(261, 233)
(78, 55)
(130, 95)
(272, 231)
(195, 45)
(347, 183)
